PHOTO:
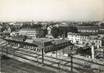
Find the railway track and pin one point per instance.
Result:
(47, 61)
(14, 66)
(53, 62)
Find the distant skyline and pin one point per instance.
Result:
(52, 10)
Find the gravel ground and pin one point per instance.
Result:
(13, 66)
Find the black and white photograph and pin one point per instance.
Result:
(51, 36)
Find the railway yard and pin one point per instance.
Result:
(22, 60)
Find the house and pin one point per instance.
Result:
(81, 39)
(31, 32)
(77, 38)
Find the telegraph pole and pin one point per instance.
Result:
(71, 56)
(43, 56)
(92, 51)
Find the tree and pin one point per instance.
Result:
(84, 52)
(55, 32)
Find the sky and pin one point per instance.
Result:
(51, 10)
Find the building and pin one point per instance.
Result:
(77, 38)
(31, 32)
(101, 28)
(49, 33)
(81, 39)
(48, 45)
(0, 28)
(97, 42)
(88, 29)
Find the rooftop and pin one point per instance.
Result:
(42, 39)
(83, 34)
(88, 27)
(29, 29)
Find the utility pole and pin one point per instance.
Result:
(92, 51)
(71, 57)
(43, 56)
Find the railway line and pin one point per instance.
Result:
(33, 57)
